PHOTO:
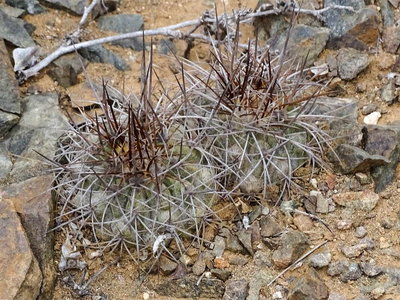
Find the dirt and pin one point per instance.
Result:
(120, 281)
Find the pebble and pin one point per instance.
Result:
(372, 118)
(369, 108)
(353, 251)
(320, 260)
(344, 224)
(322, 202)
(336, 296)
(370, 268)
(378, 292)
(362, 178)
(236, 289)
(360, 232)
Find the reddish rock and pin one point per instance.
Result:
(32, 200)
(292, 246)
(308, 286)
(20, 276)
(366, 200)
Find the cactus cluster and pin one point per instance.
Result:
(147, 172)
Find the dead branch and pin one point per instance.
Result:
(244, 16)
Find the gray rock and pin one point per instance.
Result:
(362, 178)
(338, 267)
(269, 226)
(370, 269)
(244, 237)
(353, 272)
(14, 31)
(360, 232)
(386, 12)
(167, 266)
(236, 289)
(5, 162)
(336, 296)
(320, 260)
(65, 70)
(32, 7)
(358, 30)
(305, 42)
(388, 93)
(221, 274)
(102, 55)
(166, 46)
(12, 11)
(7, 121)
(123, 23)
(354, 251)
(219, 246)
(232, 242)
(271, 25)
(354, 159)
(308, 286)
(368, 242)
(259, 279)
(76, 7)
(384, 140)
(20, 277)
(322, 202)
(262, 259)
(366, 200)
(40, 126)
(351, 62)
(391, 39)
(293, 244)
(189, 287)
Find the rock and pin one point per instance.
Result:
(269, 226)
(188, 288)
(12, 11)
(370, 268)
(305, 42)
(221, 274)
(32, 7)
(20, 277)
(13, 30)
(167, 266)
(360, 232)
(201, 263)
(354, 251)
(394, 3)
(302, 222)
(358, 30)
(384, 141)
(123, 23)
(5, 162)
(219, 246)
(9, 95)
(236, 289)
(362, 178)
(391, 39)
(100, 54)
(33, 202)
(259, 279)
(232, 243)
(369, 108)
(7, 121)
(166, 46)
(75, 7)
(354, 159)
(105, 7)
(372, 118)
(322, 203)
(344, 224)
(292, 246)
(261, 258)
(308, 286)
(351, 62)
(365, 200)
(65, 70)
(244, 237)
(347, 271)
(40, 126)
(386, 12)
(320, 260)
(271, 25)
(336, 296)
(388, 93)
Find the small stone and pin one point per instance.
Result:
(372, 118)
(336, 296)
(31, 6)
(320, 260)
(344, 224)
(236, 289)
(167, 266)
(244, 237)
(362, 178)
(384, 243)
(221, 263)
(292, 246)
(322, 202)
(308, 286)
(370, 268)
(391, 39)
(302, 222)
(100, 54)
(370, 244)
(365, 200)
(378, 292)
(262, 259)
(146, 296)
(353, 251)
(361, 87)
(221, 274)
(338, 267)
(369, 108)
(388, 93)
(219, 246)
(269, 226)
(353, 272)
(360, 232)
(351, 62)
